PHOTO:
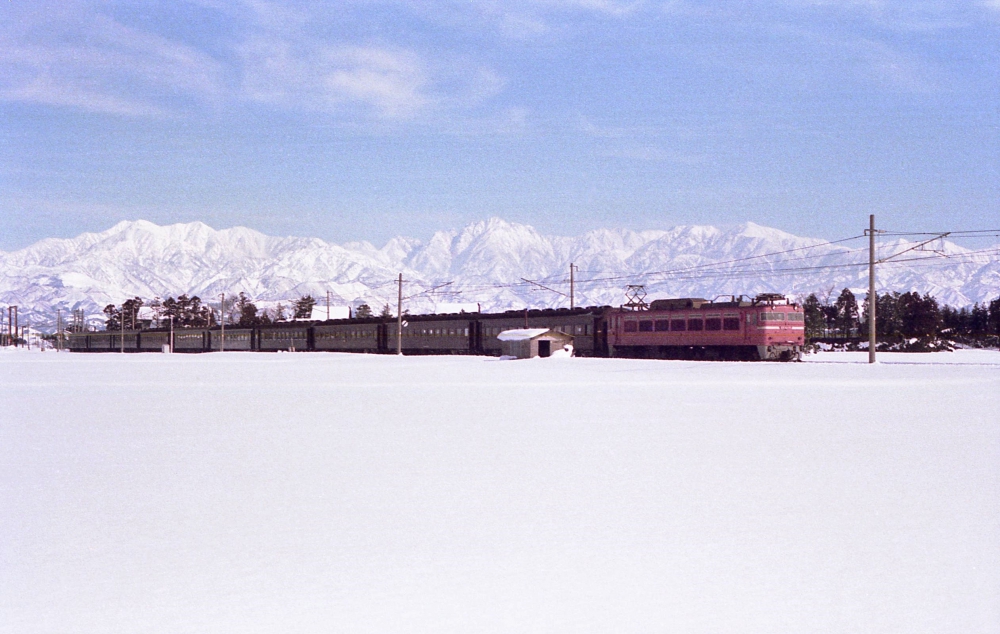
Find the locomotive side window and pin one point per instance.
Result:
(772, 316)
(662, 325)
(713, 323)
(645, 326)
(631, 326)
(696, 324)
(678, 325)
(796, 317)
(731, 322)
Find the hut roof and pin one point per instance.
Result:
(523, 334)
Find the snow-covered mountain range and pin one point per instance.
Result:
(485, 263)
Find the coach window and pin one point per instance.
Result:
(645, 326)
(631, 326)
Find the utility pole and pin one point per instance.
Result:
(171, 345)
(399, 318)
(872, 299)
(328, 305)
(572, 302)
(58, 329)
(222, 321)
(121, 318)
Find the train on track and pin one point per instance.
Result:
(767, 327)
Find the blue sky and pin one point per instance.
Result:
(368, 119)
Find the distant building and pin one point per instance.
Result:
(525, 343)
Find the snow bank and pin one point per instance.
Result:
(306, 492)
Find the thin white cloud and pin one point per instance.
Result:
(532, 19)
(893, 69)
(318, 76)
(81, 58)
(588, 127)
(609, 7)
(99, 65)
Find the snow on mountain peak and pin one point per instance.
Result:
(485, 262)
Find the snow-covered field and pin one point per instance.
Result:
(336, 493)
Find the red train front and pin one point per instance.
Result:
(768, 327)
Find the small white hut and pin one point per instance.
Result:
(525, 343)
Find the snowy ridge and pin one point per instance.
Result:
(484, 261)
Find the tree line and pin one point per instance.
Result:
(902, 316)
(189, 312)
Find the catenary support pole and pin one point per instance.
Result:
(222, 321)
(872, 299)
(399, 318)
(328, 305)
(121, 318)
(572, 297)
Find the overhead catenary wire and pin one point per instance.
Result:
(737, 268)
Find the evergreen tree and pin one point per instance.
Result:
(130, 310)
(304, 307)
(919, 315)
(246, 310)
(114, 320)
(815, 319)
(364, 311)
(887, 324)
(847, 313)
(993, 317)
(979, 321)
(386, 312)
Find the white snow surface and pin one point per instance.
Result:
(310, 492)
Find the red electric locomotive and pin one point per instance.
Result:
(768, 327)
